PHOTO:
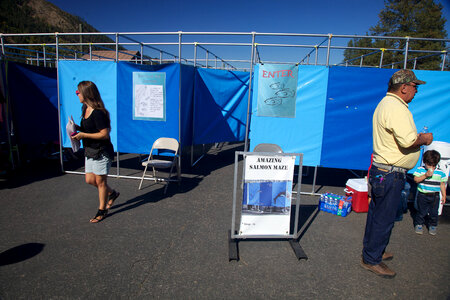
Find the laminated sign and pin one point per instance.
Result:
(149, 96)
(266, 205)
(277, 90)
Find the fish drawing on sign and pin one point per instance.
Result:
(280, 94)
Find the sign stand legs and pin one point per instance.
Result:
(298, 250)
(233, 248)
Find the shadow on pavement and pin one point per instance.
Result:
(32, 171)
(155, 195)
(20, 253)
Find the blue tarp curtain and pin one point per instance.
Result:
(103, 74)
(351, 100)
(115, 83)
(33, 99)
(137, 136)
(220, 106)
(302, 134)
(333, 123)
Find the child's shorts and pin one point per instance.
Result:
(99, 166)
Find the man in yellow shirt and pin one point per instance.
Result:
(396, 149)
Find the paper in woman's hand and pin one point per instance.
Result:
(71, 128)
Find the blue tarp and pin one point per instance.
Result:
(352, 96)
(103, 74)
(333, 119)
(220, 101)
(302, 134)
(333, 124)
(115, 82)
(137, 136)
(33, 98)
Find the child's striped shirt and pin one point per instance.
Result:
(431, 184)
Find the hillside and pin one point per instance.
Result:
(40, 16)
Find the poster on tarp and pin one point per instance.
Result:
(277, 90)
(149, 96)
(266, 204)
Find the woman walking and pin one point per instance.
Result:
(98, 150)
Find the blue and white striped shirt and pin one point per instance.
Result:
(431, 184)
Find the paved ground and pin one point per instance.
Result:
(175, 246)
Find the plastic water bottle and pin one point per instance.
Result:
(325, 203)
(424, 130)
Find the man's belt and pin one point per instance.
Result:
(390, 168)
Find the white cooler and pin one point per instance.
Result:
(444, 149)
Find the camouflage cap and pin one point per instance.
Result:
(405, 76)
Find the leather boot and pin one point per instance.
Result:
(381, 269)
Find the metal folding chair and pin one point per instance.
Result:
(158, 161)
(268, 148)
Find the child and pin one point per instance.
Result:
(430, 180)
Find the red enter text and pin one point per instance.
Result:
(276, 74)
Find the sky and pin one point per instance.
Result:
(338, 17)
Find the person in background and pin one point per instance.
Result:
(430, 181)
(98, 150)
(396, 149)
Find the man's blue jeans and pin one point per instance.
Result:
(386, 188)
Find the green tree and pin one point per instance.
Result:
(403, 18)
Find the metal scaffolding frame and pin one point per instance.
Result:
(252, 43)
(48, 51)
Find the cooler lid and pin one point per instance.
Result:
(442, 147)
(358, 184)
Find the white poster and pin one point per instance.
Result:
(149, 101)
(149, 96)
(266, 205)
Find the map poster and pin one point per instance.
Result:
(277, 90)
(149, 96)
(266, 204)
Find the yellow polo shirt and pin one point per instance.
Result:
(394, 132)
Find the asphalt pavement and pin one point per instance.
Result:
(175, 245)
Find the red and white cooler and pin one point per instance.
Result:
(357, 189)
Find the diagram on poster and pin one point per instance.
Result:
(266, 204)
(149, 96)
(277, 90)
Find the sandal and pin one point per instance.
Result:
(111, 198)
(101, 214)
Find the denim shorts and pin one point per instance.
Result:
(99, 166)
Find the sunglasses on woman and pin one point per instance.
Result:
(77, 92)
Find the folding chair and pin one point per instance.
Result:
(162, 145)
(268, 148)
(264, 147)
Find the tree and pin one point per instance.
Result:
(403, 18)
